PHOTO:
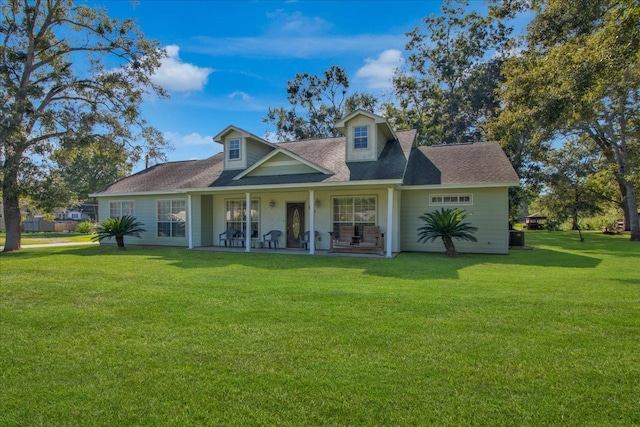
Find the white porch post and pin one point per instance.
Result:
(247, 228)
(312, 222)
(190, 220)
(389, 236)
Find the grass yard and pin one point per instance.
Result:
(47, 238)
(153, 336)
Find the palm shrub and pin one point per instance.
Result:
(119, 227)
(446, 224)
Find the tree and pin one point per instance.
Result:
(323, 101)
(119, 227)
(88, 168)
(578, 74)
(454, 67)
(447, 225)
(573, 191)
(71, 76)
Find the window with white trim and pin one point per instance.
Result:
(236, 216)
(120, 208)
(360, 137)
(234, 149)
(450, 199)
(356, 211)
(172, 215)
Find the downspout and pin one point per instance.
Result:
(390, 236)
(247, 228)
(312, 223)
(190, 220)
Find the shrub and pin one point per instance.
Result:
(119, 227)
(85, 227)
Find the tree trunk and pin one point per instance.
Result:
(450, 249)
(12, 218)
(634, 218)
(574, 220)
(120, 242)
(624, 206)
(11, 205)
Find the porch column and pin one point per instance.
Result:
(247, 227)
(312, 222)
(190, 221)
(389, 237)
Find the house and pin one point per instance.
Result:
(73, 214)
(371, 176)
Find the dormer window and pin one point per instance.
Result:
(360, 137)
(234, 149)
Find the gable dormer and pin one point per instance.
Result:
(366, 135)
(282, 162)
(241, 148)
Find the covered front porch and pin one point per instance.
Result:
(294, 213)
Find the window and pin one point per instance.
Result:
(356, 211)
(118, 209)
(172, 216)
(360, 137)
(450, 199)
(234, 149)
(236, 219)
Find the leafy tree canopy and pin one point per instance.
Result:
(578, 74)
(71, 77)
(317, 103)
(447, 89)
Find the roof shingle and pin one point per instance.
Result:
(479, 163)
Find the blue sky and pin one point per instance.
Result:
(229, 61)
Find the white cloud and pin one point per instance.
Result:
(192, 139)
(296, 23)
(379, 72)
(175, 75)
(294, 47)
(239, 95)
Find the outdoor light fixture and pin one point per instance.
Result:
(317, 203)
(272, 203)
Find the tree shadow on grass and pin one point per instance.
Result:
(407, 265)
(594, 243)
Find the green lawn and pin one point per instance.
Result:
(150, 336)
(46, 238)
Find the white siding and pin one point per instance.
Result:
(489, 212)
(146, 211)
(240, 163)
(256, 151)
(282, 164)
(381, 141)
(361, 155)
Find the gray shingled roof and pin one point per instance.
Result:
(465, 164)
(460, 164)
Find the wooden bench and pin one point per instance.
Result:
(370, 242)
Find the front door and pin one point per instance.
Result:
(295, 224)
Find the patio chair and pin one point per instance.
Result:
(370, 236)
(304, 239)
(227, 236)
(345, 236)
(272, 237)
(238, 238)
